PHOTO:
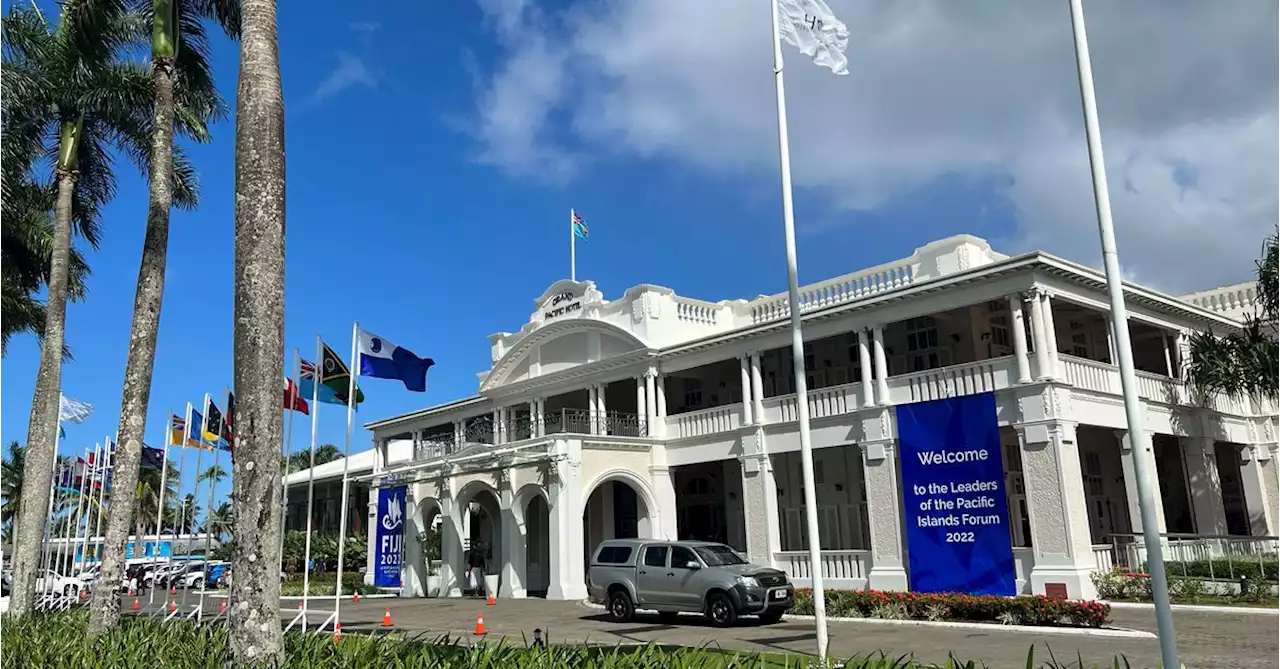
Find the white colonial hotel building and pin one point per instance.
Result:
(658, 415)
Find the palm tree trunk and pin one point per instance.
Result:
(105, 611)
(42, 428)
(259, 341)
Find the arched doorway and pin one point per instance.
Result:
(617, 508)
(537, 525)
(482, 539)
(423, 550)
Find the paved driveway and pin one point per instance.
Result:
(1206, 639)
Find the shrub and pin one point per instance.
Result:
(1223, 569)
(322, 586)
(1036, 610)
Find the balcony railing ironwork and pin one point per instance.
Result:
(562, 421)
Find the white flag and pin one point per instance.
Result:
(73, 411)
(809, 26)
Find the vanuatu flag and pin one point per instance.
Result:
(336, 376)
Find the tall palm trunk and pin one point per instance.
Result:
(259, 341)
(42, 428)
(105, 611)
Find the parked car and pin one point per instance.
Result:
(57, 583)
(671, 577)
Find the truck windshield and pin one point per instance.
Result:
(719, 555)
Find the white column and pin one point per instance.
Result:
(511, 582)
(1146, 450)
(1258, 476)
(651, 404)
(864, 361)
(1183, 344)
(884, 500)
(1057, 509)
(662, 407)
(662, 521)
(1038, 337)
(1050, 333)
(497, 426)
(744, 365)
(757, 390)
(1017, 324)
(568, 579)
(641, 407)
(413, 573)
(1200, 456)
(593, 410)
(602, 410)
(759, 501)
(534, 421)
(1111, 340)
(1168, 357)
(882, 369)
(451, 536)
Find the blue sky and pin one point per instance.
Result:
(410, 210)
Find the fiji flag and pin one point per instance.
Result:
(381, 359)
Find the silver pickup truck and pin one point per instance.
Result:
(671, 577)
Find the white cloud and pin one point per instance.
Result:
(1187, 92)
(351, 71)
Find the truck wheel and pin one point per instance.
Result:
(771, 617)
(720, 610)
(620, 607)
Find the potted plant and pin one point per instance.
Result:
(429, 542)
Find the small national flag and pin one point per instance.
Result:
(213, 422)
(811, 27)
(177, 427)
(580, 227)
(152, 458)
(337, 377)
(308, 388)
(73, 411)
(292, 400)
(381, 359)
(228, 434)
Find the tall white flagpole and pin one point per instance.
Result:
(287, 452)
(573, 248)
(164, 473)
(74, 519)
(1138, 437)
(182, 500)
(208, 511)
(94, 459)
(317, 370)
(105, 464)
(797, 346)
(82, 509)
(46, 549)
(352, 370)
(195, 484)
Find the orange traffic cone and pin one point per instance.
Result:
(337, 632)
(136, 605)
(356, 598)
(479, 625)
(84, 594)
(222, 608)
(173, 589)
(173, 605)
(386, 618)
(492, 600)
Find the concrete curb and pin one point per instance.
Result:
(1199, 608)
(1032, 629)
(315, 598)
(995, 627)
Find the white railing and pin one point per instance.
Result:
(839, 567)
(695, 311)
(1102, 559)
(1024, 560)
(1089, 374)
(1227, 300)
(706, 421)
(835, 291)
(829, 401)
(1159, 388)
(969, 378)
(1232, 552)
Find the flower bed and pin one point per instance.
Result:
(1037, 610)
(1123, 585)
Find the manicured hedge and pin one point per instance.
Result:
(322, 586)
(1037, 610)
(1119, 584)
(1222, 569)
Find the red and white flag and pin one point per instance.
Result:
(293, 401)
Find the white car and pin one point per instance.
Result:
(57, 583)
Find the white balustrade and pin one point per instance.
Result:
(969, 378)
(694, 311)
(1090, 374)
(840, 568)
(704, 422)
(839, 290)
(829, 401)
(1102, 558)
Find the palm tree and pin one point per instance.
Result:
(218, 522)
(70, 84)
(1244, 363)
(182, 515)
(259, 339)
(11, 469)
(302, 460)
(176, 24)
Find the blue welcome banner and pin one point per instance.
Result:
(957, 515)
(390, 535)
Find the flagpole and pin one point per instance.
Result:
(316, 372)
(195, 484)
(288, 451)
(164, 473)
(73, 538)
(81, 510)
(105, 463)
(208, 510)
(57, 437)
(94, 459)
(573, 250)
(182, 500)
(1139, 439)
(64, 552)
(797, 346)
(346, 467)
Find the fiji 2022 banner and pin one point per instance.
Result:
(953, 488)
(390, 535)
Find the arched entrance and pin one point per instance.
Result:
(482, 539)
(423, 549)
(619, 507)
(537, 520)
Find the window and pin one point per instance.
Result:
(1000, 331)
(692, 392)
(922, 344)
(719, 555)
(681, 557)
(614, 555)
(655, 556)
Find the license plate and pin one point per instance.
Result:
(779, 594)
